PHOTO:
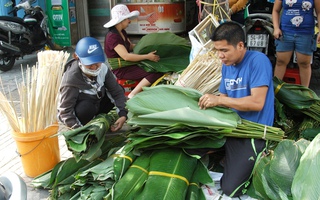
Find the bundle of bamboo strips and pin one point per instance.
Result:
(38, 94)
(203, 73)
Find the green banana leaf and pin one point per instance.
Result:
(298, 98)
(93, 192)
(159, 38)
(306, 184)
(121, 163)
(86, 142)
(173, 50)
(200, 176)
(170, 107)
(100, 172)
(62, 171)
(173, 58)
(284, 164)
(273, 174)
(143, 139)
(131, 184)
(168, 177)
(157, 99)
(262, 182)
(200, 118)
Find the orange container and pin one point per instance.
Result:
(39, 151)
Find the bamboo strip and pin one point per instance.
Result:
(203, 73)
(38, 94)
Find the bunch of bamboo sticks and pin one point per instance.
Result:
(36, 108)
(203, 73)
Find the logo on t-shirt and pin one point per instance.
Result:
(234, 84)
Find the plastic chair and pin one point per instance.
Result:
(128, 85)
(292, 75)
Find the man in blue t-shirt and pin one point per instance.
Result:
(246, 87)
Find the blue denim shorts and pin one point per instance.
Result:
(304, 44)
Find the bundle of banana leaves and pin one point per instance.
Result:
(86, 142)
(291, 171)
(298, 98)
(298, 110)
(162, 174)
(169, 115)
(173, 50)
(83, 179)
(71, 179)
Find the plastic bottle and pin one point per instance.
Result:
(57, 13)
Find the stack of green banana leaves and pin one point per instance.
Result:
(291, 171)
(173, 50)
(298, 109)
(162, 174)
(89, 174)
(86, 142)
(169, 115)
(83, 179)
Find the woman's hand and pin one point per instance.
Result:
(118, 124)
(153, 56)
(277, 33)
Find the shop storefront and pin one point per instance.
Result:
(157, 16)
(70, 20)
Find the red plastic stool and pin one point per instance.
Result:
(128, 85)
(292, 76)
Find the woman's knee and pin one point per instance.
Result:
(282, 62)
(304, 64)
(85, 111)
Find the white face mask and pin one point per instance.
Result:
(89, 72)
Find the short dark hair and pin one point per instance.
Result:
(230, 31)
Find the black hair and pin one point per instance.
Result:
(230, 31)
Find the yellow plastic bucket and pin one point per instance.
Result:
(39, 151)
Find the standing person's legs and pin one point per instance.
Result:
(284, 48)
(304, 68)
(283, 59)
(241, 155)
(305, 46)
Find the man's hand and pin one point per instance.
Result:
(208, 100)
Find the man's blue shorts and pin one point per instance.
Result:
(304, 44)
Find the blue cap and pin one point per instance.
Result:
(89, 51)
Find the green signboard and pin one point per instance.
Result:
(58, 18)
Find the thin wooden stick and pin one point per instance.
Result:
(38, 94)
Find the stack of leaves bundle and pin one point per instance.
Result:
(83, 179)
(298, 98)
(298, 110)
(38, 92)
(161, 174)
(87, 142)
(169, 115)
(173, 50)
(203, 73)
